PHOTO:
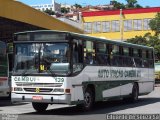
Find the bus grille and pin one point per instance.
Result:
(39, 84)
(39, 90)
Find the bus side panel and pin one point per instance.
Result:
(112, 92)
(75, 83)
(4, 88)
(151, 75)
(146, 84)
(146, 87)
(77, 94)
(126, 89)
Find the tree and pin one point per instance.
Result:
(148, 40)
(141, 40)
(77, 6)
(155, 24)
(64, 10)
(154, 42)
(138, 6)
(50, 12)
(130, 4)
(118, 5)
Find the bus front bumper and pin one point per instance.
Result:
(63, 99)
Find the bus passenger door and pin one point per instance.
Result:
(77, 67)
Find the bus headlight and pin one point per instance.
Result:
(58, 90)
(18, 89)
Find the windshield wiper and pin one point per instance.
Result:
(24, 72)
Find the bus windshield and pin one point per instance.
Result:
(42, 58)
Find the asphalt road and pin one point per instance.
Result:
(149, 104)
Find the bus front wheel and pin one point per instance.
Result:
(40, 107)
(88, 99)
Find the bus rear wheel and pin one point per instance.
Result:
(134, 95)
(40, 107)
(135, 92)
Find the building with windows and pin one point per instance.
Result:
(119, 24)
(54, 6)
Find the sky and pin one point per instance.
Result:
(151, 3)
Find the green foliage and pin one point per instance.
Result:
(155, 24)
(77, 5)
(138, 6)
(130, 4)
(64, 10)
(138, 40)
(154, 42)
(50, 12)
(118, 5)
(148, 40)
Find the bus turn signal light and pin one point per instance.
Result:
(67, 90)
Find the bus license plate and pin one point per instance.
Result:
(37, 97)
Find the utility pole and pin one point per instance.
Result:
(121, 24)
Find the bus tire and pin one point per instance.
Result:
(88, 99)
(40, 107)
(135, 93)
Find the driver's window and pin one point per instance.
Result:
(77, 56)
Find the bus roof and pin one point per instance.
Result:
(40, 31)
(90, 38)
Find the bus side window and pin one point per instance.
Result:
(102, 54)
(127, 57)
(114, 55)
(89, 58)
(89, 52)
(140, 56)
(151, 60)
(77, 51)
(145, 58)
(135, 57)
(120, 56)
(131, 61)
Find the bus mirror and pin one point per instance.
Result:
(63, 67)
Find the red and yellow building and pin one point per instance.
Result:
(119, 24)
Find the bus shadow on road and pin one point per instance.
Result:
(4, 103)
(99, 108)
